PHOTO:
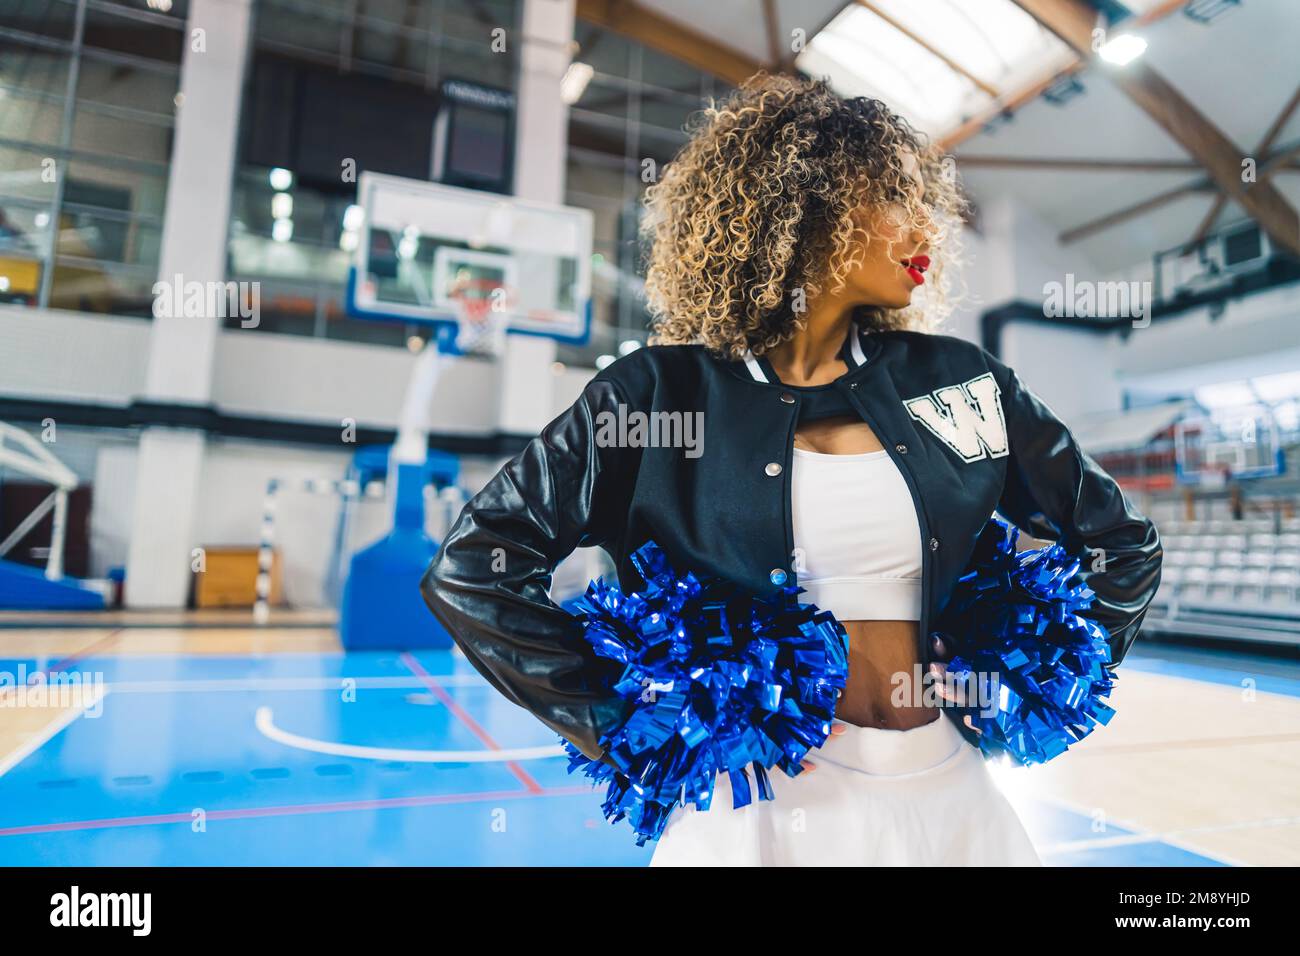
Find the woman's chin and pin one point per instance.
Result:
(903, 300)
(890, 295)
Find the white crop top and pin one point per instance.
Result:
(856, 535)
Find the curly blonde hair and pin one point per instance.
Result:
(761, 203)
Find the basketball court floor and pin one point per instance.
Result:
(199, 740)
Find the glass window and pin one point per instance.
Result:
(180, 9)
(32, 68)
(365, 62)
(135, 33)
(129, 86)
(82, 197)
(136, 188)
(25, 231)
(30, 172)
(55, 19)
(124, 136)
(625, 126)
(28, 118)
(307, 25)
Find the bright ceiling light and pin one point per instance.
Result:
(995, 41)
(1277, 388)
(282, 206)
(1225, 395)
(575, 81)
(1123, 49)
(281, 179)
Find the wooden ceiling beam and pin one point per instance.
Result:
(925, 44)
(1281, 161)
(772, 27)
(1073, 22)
(1056, 164)
(1031, 91)
(1110, 220)
(1265, 145)
(659, 33)
(1006, 104)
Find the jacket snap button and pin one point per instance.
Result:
(934, 544)
(777, 576)
(901, 449)
(787, 398)
(773, 469)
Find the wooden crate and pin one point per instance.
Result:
(230, 578)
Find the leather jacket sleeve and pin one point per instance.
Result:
(489, 583)
(1055, 491)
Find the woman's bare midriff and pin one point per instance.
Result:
(880, 652)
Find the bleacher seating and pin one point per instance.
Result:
(1230, 579)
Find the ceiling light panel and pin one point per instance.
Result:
(994, 40)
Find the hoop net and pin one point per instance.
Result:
(482, 307)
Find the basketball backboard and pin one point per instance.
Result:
(1237, 446)
(419, 248)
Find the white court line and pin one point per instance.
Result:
(1172, 838)
(199, 686)
(1141, 834)
(265, 723)
(49, 732)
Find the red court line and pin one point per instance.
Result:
(291, 810)
(70, 660)
(84, 652)
(416, 668)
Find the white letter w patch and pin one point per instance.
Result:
(968, 417)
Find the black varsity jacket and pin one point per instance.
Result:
(675, 445)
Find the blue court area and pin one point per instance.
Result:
(232, 760)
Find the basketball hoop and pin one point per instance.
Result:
(481, 311)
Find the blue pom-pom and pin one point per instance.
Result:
(1018, 625)
(719, 681)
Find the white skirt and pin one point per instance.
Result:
(920, 797)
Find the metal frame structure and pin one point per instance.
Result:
(24, 454)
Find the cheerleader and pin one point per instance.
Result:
(795, 421)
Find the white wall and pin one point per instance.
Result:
(71, 356)
(1083, 373)
(232, 490)
(1256, 327)
(1073, 372)
(322, 380)
(113, 506)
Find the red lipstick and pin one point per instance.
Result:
(916, 267)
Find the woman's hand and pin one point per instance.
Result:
(837, 729)
(958, 695)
